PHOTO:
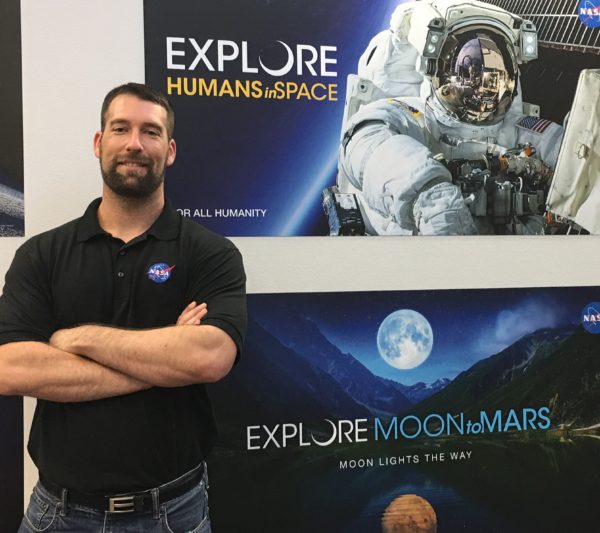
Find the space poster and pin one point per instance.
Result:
(439, 410)
(12, 218)
(281, 132)
(11, 225)
(11, 462)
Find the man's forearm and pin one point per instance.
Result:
(45, 372)
(171, 356)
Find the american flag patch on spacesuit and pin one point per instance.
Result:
(536, 124)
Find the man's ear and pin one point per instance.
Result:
(97, 139)
(171, 153)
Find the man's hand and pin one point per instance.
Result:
(192, 314)
(65, 339)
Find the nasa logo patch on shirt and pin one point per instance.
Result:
(535, 124)
(159, 272)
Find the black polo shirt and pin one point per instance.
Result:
(77, 274)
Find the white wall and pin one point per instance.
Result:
(74, 51)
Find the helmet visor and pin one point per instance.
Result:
(476, 75)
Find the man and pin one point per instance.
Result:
(114, 321)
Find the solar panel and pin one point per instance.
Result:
(557, 23)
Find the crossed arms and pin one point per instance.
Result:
(90, 362)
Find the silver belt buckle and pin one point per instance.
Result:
(121, 504)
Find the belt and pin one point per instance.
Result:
(128, 502)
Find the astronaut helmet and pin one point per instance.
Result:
(476, 76)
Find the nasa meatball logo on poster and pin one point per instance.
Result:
(447, 410)
(381, 118)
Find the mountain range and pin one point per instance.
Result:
(558, 368)
(290, 372)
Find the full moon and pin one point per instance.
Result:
(405, 339)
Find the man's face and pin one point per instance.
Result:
(134, 148)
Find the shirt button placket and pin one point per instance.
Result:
(123, 281)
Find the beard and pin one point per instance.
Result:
(133, 184)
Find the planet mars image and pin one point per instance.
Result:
(409, 513)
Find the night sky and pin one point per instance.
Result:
(468, 325)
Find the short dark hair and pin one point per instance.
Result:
(143, 92)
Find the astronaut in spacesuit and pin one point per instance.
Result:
(436, 139)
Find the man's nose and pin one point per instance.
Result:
(134, 142)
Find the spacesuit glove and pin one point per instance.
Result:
(441, 210)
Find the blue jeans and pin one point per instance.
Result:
(187, 513)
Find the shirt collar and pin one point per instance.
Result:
(165, 227)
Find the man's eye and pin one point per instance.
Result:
(118, 130)
(153, 133)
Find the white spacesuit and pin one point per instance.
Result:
(436, 139)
